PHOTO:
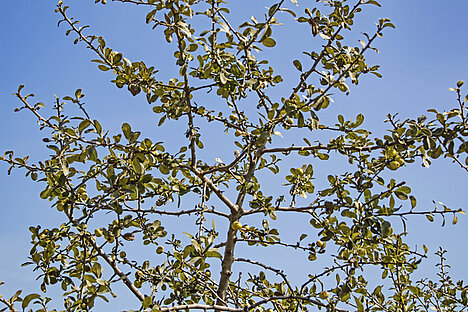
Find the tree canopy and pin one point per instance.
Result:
(120, 192)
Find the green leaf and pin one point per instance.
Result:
(98, 126)
(127, 131)
(34, 176)
(401, 195)
(386, 229)
(92, 153)
(101, 282)
(359, 304)
(373, 2)
(273, 9)
(359, 120)
(78, 94)
(345, 293)
(150, 15)
(341, 119)
(269, 42)
(404, 189)
(147, 302)
(28, 299)
(103, 67)
(164, 169)
(192, 47)
(137, 165)
(45, 193)
(425, 248)
(83, 125)
(298, 65)
(213, 253)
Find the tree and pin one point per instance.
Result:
(121, 190)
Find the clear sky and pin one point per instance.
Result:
(420, 60)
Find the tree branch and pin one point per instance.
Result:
(173, 213)
(9, 305)
(228, 258)
(232, 164)
(318, 148)
(112, 264)
(306, 75)
(201, 307)
(299, 298)
(117, 270)
(137, 2)
(233, 208)
(278, 272)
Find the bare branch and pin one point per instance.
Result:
(172, 213)
(201, 307)
(137, 2)
(455, 158)
(295, 246)
(320, 147)
(232, 164)
(278, 272)
(298, 298)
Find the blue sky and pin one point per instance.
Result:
(420, 60)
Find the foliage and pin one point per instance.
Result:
(119, 190)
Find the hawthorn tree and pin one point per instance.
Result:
(120, 189)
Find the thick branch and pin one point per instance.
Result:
(228, 259)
